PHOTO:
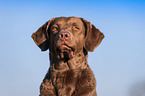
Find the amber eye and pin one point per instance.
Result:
(75, 28)
(55, 28)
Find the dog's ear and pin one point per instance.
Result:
(93, 36)
(41, 36)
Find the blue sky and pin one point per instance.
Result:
(118, 62)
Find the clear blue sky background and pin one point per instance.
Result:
(118, 63)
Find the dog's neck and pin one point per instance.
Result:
(79, 61)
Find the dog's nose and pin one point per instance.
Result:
(64, 35)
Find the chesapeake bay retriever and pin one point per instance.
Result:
(68, 39)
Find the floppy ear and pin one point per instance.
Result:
(93, 36)
(41, 36)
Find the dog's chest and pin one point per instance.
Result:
(66, 81)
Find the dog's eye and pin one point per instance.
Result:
(76, 28)
(55, 28)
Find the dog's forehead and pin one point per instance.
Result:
(68, 20)
(74, 20)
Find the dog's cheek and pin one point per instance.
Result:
(80, 42)
(52, 45)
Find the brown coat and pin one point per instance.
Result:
(68, 39)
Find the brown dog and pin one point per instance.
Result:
(68, 40)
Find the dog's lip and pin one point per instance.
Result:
(66, 47)
(63, 50)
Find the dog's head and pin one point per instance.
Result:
(67, 36)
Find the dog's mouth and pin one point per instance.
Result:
(65, 52)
